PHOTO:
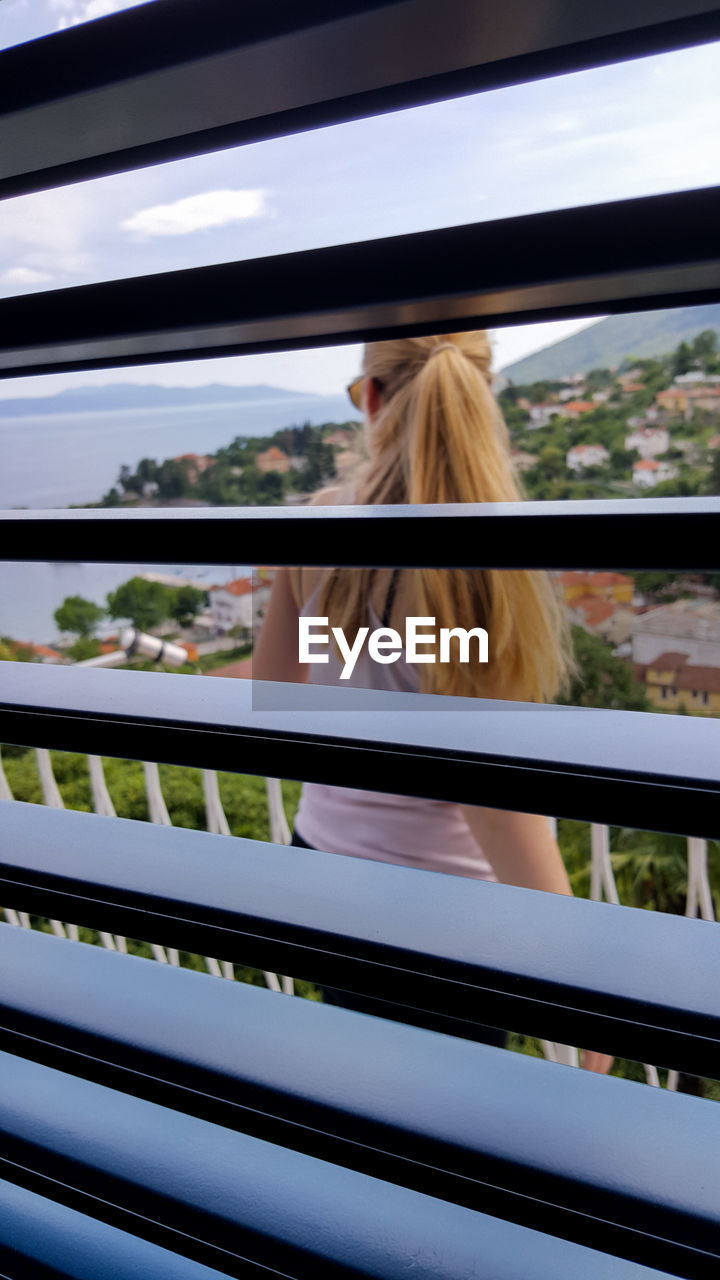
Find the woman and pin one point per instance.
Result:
(434, 434)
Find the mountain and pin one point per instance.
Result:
(132, 395)
(609, 342)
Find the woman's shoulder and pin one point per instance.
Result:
(331, 497)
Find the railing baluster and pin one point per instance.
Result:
(52, 798)
(5, 792)
(216, 820)
(102, 803)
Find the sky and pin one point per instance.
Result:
(638, 128)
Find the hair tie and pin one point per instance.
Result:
(443, 346)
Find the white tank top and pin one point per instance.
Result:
(410, 831)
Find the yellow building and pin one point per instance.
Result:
(616, 587)
(672, 683)
(674, 400)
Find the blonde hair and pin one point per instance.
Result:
(439, 436)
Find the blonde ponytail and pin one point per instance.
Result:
(440, 437)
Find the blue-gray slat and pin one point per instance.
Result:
(615, 533)
(267, 1203)
(39, 1237)
(461, 1117)
(628, 768)
(633, 982)
(623, 255)
(153, 84)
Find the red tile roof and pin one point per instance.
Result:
(238, 587)
(594, 609)
(699, 679)
(668, 661)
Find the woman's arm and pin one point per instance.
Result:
(523, 851)
(520, 847)
(275, 656)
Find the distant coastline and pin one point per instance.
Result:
(138, 396)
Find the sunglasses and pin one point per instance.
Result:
(354, 391)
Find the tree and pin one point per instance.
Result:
(705, 345)
(145, 603)
(713, 480)
(84, 647)
(682, 359)
(602, 680)
(186, 604)
(172, 479)
(78, 615)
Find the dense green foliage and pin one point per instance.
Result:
(601, 680)
(78, 615)
(234, 477)
(147, 604)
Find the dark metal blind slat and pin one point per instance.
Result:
(626, 255)
(180, 87)
(616, 533)
(634, 982)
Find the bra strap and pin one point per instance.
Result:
(390, 598)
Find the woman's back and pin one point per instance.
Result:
(409, 831)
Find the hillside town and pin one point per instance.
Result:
(648, 426)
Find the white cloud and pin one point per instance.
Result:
(24, 275)
(73, 12)
(49, 231)
(197, 213)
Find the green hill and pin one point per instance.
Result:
(608, 342)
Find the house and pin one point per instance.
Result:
(603, 618)
(672, 683)
(582, 456)
(647, 473)
(617, 588)
(674, 400)
(648, 441)
(273, 459)
(541, 414)
(195, 464)
(576, 408)
(523, 461)
(239, 603)
(36, 652)
(705, 398)
(689, 627)
(341, 438)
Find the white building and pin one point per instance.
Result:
(685, 626)
(541, 414)
(582, 456)
(649, 441)
(238, 604)
(647, 473)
